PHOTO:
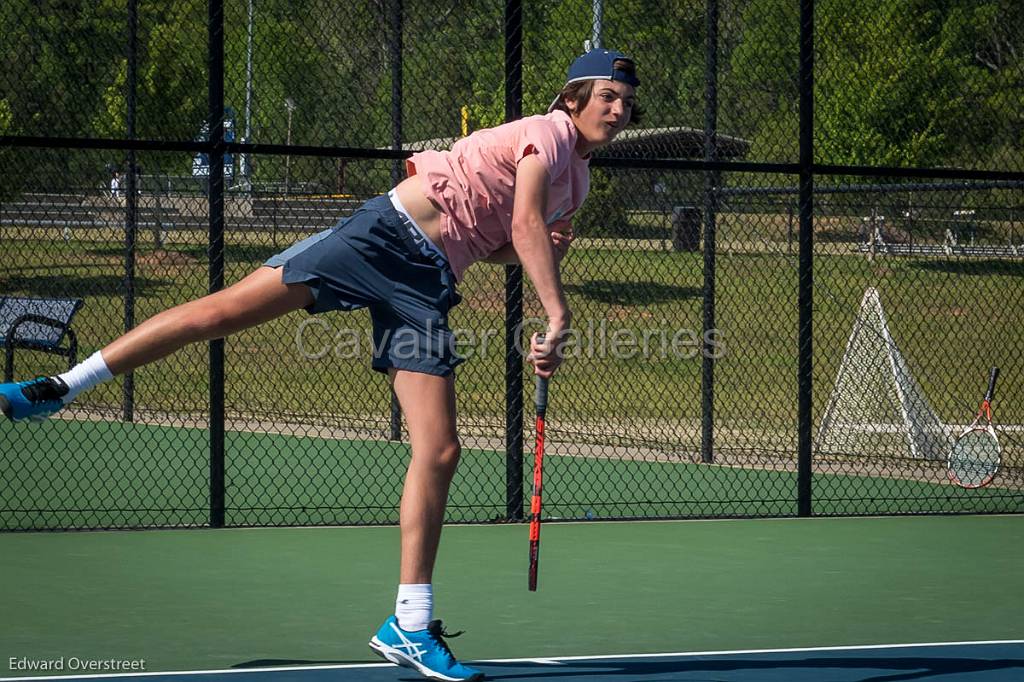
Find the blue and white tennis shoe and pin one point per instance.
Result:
(33, 400)
(423, 650)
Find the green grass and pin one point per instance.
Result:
(101, 474)
(939, 311)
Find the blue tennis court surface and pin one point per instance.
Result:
(1000, 661)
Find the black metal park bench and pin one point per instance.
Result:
(39, 324)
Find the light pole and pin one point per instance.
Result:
(246, 158)
(594, 42)
(289, 104)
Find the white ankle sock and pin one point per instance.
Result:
(414, 607)
(86, 374)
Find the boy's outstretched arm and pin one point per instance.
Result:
(531, 239)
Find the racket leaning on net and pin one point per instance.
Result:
(540, 400)
(975, 457)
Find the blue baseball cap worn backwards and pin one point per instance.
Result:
(597, 64)
(600, 64)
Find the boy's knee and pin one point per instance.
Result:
(448, 455)
(214, 318)
(207, 320)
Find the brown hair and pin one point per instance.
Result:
(581, 91)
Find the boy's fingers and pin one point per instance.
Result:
(561, 226)
(541, 352)
(561, 243)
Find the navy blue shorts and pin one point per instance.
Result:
(377, 259)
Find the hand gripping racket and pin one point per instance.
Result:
(540, 400)
(974, 459)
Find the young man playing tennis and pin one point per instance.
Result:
(505, 195)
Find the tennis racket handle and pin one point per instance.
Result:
(534, 560)
(992, 376)
(540, 396)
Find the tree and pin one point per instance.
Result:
(897, 82)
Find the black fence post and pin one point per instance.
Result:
(805, 362)
(513, 285)
(131, 208)
(395, 50)
(216, 254)
(789, 227)
(711, 182)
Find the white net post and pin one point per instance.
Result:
(876, 408)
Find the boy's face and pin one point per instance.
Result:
(604, 116)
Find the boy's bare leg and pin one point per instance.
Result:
(428, 402)
(258, 298)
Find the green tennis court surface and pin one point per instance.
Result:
(214, 600)
(103, 474)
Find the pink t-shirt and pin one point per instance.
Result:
(474, 183)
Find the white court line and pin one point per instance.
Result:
(559, 660)
(553, 660)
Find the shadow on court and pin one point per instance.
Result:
(278, 662)
(981, 267)
(57, 286)
(798, 669)
(198, 253)
(632, 293)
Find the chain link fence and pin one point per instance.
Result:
(783, 277)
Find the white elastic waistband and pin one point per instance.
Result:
(397, 203)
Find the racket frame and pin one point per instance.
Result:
(540, 401)
(982, 423)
